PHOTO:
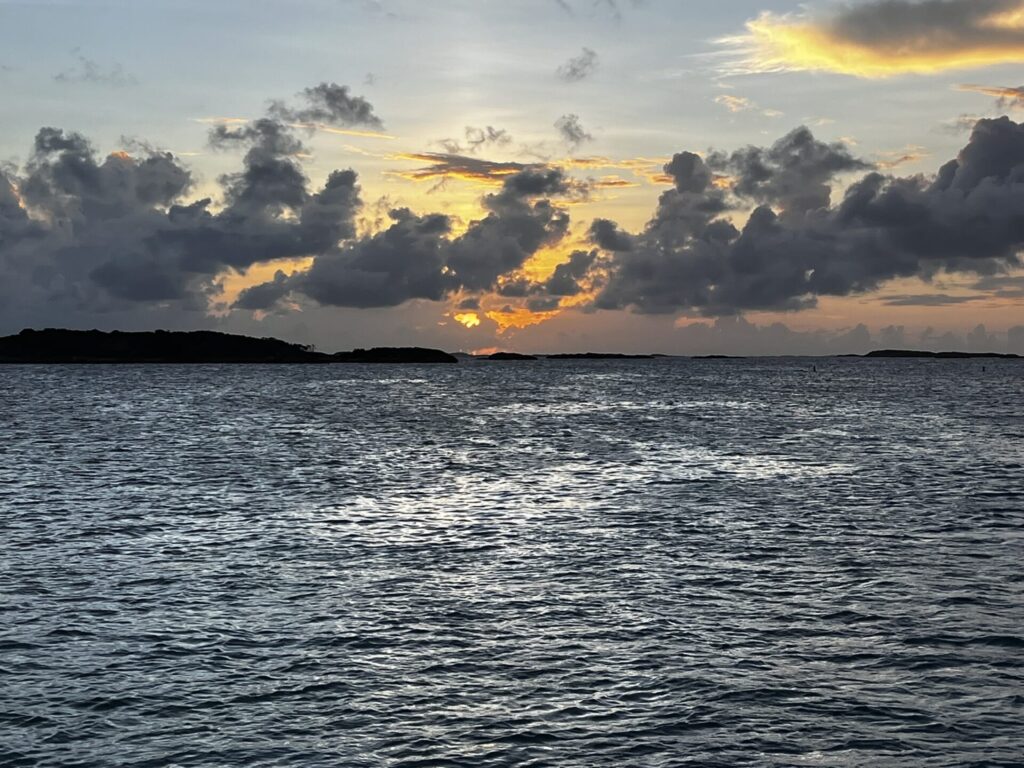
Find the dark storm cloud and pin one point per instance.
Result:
(794, 174)
(565, 280)
(330, 104)
(605, 234)
(81, 233)
(570, 278)
(415, 258)
(405, 261)
(264, 296)
(796, 246)
(520, 220)
(572, 131)
(579, 67)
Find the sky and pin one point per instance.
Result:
(743, 177)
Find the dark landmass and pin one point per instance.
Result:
(509, 356)
(64, 346)
(391, 355)
(55, 345)
(939, 355)
(600, 356)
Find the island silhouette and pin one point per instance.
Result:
(57, 345)
(66, 346)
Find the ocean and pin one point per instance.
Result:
(557, 563)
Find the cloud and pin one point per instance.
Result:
(579, 67)
(609, 5)
(332, 105)
(416, 258)
(88, 71)
(794, 174)
(736, 104)
(572, 131)
(1006, 98)
(928, 300)
(885, 37)
(82, 233)
(442, 165)
(476, 139)
(797, 245)
(1002, 286)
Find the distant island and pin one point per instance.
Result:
(509, 356)
(600, 356)
(937, 355)
(65, 346)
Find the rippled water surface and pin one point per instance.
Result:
(650, 563)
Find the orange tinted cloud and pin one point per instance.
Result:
(519, 318)
(886, 37)
(1006, 98)
(468, 319)
(441, 166)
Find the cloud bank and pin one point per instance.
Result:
(796, 245)
(758, 228)
(886, 37)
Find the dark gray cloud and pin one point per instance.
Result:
(406, 261)
(264, 296)
(928, 300)
(445, 165)
(605, 234)
(81, 233)
(795, 173)
(520, 220)
(924, 25)
(329, 104)
(415, 258)
(579, 67)
(1002, 286)
(566, 279)
(572, 131)
(796, 245)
